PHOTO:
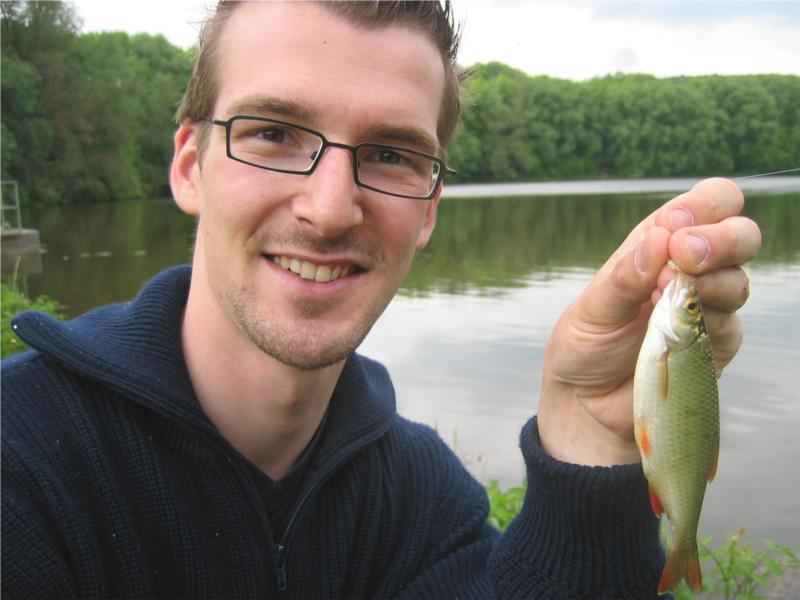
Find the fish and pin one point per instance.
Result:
(676, 422)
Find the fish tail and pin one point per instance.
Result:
(682, 563)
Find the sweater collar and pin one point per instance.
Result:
(135, 347)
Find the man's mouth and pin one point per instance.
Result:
(313, 272)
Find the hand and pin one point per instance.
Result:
(585, 407)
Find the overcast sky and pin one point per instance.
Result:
(569, 39)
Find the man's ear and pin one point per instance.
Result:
(185, 171)
(430, 220)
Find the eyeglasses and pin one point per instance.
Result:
(287, 148)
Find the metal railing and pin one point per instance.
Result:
(12, 208)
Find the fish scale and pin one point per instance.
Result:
(676, 422)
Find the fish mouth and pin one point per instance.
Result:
(311, 271)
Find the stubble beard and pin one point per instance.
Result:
(294, 342)
(304, 341)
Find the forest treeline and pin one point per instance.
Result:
(88, 117)
(520, 128)
(85, 117)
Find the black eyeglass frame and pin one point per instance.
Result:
(443, 168)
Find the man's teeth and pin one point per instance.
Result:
(312, 272)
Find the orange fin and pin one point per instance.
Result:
(712, 471)
(655, 502)
(681, 565)
(642, 436)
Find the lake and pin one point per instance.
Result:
(465, 339)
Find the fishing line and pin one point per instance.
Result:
(765, 174)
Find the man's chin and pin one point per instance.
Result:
(309, 351)
(305, 343)
(305, 360)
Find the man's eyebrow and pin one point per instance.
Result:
(272, 106)
(301, 114)
(394, 134)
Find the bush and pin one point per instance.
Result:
(740, 572)
(13, 302)
(504, 505)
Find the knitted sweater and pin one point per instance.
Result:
(116, 484)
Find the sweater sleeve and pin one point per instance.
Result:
(583, 532)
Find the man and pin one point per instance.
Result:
(218, 437)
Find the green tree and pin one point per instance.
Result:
(518, 127)
(36, 37)
(85, 117)
(89, 117)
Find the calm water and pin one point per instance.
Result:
(465, 339)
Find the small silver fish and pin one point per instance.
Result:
(676, 422)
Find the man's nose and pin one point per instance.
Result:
(330, 202)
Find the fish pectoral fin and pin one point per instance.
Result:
(655, 502)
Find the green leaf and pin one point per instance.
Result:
(682, 592)
(773, 566)
(13, 302)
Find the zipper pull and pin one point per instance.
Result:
(279, 555)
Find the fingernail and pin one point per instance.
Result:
(640, 258)
(697, 248)
(680, 217)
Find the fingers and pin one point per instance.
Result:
(725, 331)
(702, 249)
(700, 231)
(614, 297)
(725, 289)
(708, 234)
(709, 201)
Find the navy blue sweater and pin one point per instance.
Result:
(116, 484)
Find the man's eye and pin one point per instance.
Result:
(272, 135)
(390, 157)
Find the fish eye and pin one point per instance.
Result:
(691, 306)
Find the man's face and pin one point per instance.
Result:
(297, 62)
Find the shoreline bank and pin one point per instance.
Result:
(769, 184)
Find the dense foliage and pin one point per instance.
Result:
(87, 117)
(13, 302)
(522, 128)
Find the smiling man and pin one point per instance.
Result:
(219, 436)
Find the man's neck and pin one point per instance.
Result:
(267, 410)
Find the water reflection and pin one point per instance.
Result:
(490, 245)
(102, 253)
(99, 253)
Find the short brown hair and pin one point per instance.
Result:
(434, 19)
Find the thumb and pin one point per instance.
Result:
(616, 294)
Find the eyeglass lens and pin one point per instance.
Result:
(284, 147)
